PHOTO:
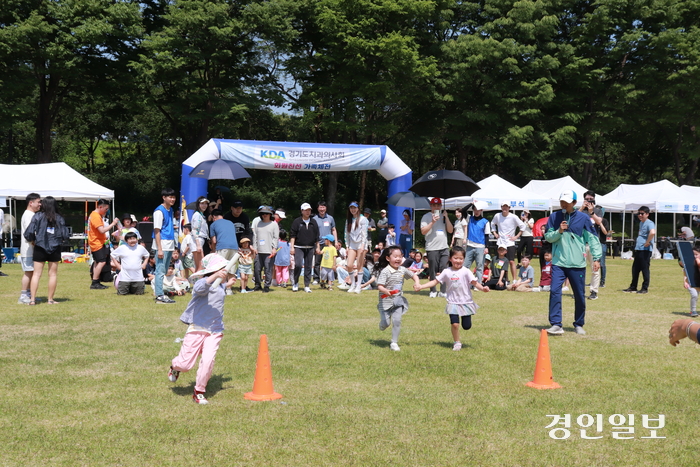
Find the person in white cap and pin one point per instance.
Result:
(204, 317)
(382, 226)
(303, 242)
(569, 231)
(503, 226)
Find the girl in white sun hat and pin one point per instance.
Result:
(204, 317)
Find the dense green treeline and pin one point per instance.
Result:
(605, 91)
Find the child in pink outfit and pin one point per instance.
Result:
(204, 317)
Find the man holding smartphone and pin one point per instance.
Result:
(435, 225)
(570, 231)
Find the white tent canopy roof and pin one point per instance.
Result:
(552, 189)
(56, 179)
(496, 191)
(661, 196)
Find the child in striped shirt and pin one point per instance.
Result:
(392, 305)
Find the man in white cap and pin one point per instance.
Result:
(382, 226)
(503, 226)
(435, 225)
(569, 231)
(303, 241)
(478, 229)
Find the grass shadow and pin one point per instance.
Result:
(379, 342)
(681, 313)
(215, 384)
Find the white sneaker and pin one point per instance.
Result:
(314, 283)
(344, 286)
(535, 289)
(441, 295)
(307, 289)
(24, 300)
(244, 291)
(358, 289)
(351, 289)
(394, 346)
(564, 289)
(295, 288)
(579, 330)
(229, 292)
(556, 330)
(433, 294)
(457, 346)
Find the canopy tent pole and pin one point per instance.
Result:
(622, 248)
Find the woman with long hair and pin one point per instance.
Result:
(200, 230)
(406, 233)
(47, 231)
(356, 238)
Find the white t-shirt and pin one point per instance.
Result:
(188, 241)
(131, 259)
(506, 225)
(166, 245)
(459, 226)
(436, 238)
(26, 249)
(2, 221)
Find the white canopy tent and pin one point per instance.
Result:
(56, 179)
(551, 189)
(496, 191)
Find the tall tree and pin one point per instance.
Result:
(62, 45)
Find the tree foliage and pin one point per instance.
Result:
(604, 91)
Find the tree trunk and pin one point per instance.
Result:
(47, 94)
(331, 191)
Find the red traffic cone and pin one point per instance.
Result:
(262, 386)
(543, 368)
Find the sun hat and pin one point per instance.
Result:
(305, 206)
(383, 211)
(487, 257)
(244, 239)
(367, 211)
(568, 196)
(353, 204)
(436, 201)
(280, 212)
(126, 216)
(265, 210)
(329, 237)
(210, 263)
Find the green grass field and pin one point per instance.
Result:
(85, 380)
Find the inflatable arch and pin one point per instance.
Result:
(303, 157)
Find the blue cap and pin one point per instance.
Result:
(353, 204)
(329, 237)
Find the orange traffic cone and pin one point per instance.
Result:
(262, 386)
(543, 369)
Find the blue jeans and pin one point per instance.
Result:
(475, 254)
(161, 269)
(406, 244)
(577, 280)
(604, 248)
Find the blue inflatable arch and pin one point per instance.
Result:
(302, 157)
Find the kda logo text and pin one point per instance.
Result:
(269, 154)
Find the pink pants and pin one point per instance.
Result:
(282, 274)
(197, 343)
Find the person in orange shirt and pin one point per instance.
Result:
(97, 236)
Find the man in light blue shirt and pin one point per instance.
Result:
(642, 251)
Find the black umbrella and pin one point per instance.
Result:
(219, 169)
(222, 189)
(193, 206)
(444, 184)
(408, 199)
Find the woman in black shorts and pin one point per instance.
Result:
(47, 231)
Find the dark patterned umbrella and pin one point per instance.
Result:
(444, 184)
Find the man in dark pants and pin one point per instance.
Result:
(642, 251)
(435, 225)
